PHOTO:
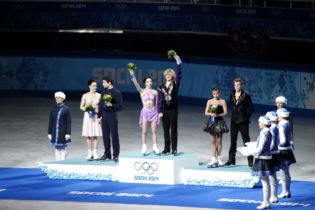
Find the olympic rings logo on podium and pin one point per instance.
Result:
(146, 167)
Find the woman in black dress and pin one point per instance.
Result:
(216, 108)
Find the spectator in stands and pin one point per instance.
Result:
(234, 44)
(261, 45)
(246, 43)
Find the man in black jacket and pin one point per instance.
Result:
(242, 109)
(108, 116)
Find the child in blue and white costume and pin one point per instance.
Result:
(286, 156)
(262, 163)
(272, 116)
(59, 127)
(282, 102)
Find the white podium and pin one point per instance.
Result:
(154, 169)
(234, 176)
(80, 168)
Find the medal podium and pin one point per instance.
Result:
(182, 168)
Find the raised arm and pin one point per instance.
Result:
(178, 71)
(134, 80)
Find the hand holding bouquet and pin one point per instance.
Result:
(90, 110)
(171, 54)
(213, 109)
(131, 67)
(107, 98)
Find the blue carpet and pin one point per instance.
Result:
(32, 184)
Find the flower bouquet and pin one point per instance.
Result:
(213, 109)
(131, 67)
(171, 54)
(107, 98)
(90, 110)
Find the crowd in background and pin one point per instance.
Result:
(242, 44)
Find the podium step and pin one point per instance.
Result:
(80, 168)
(222, 176)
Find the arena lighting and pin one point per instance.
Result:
(91, 31)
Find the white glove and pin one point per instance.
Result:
(178, 60)
(132, 73)
(49, 136)
(67, 136)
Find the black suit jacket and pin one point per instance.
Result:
(241, 111)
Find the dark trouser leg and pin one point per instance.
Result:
(114, 134)
(166, 129)
(234, 133)
(106, 138)
(244, 129)
(174, 134)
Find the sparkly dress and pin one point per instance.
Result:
(216, 125)
(149, 113)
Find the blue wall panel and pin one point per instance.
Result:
(71, 74)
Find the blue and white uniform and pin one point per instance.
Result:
(262, 164)
(286, 156)
(59, 126)
(285, 144)
(272, 116)
(274, 146)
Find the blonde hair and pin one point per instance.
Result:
(169, 71)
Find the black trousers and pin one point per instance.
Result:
(110, 129)
(244, 130)
(169, 121)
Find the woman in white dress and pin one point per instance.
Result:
(91, 128)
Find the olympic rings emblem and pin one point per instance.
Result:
(146, 168)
